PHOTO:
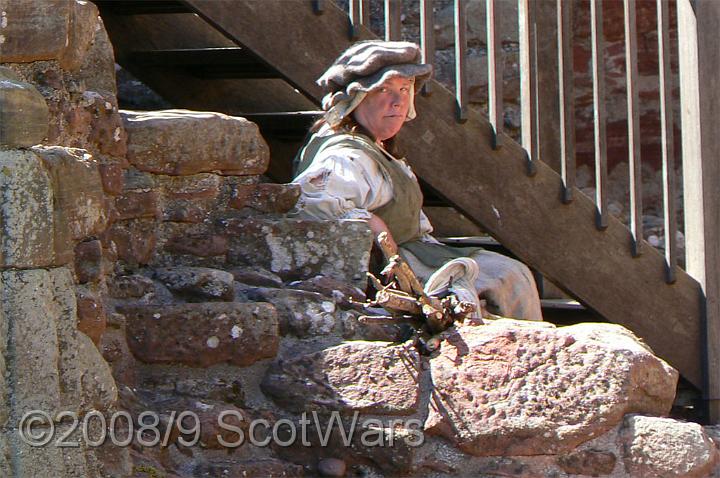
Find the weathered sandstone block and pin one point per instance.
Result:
(53, 366)
(89, 265)
(268, 198)
(299, 249)
(661, 447)
(195, 186)
(80, 205)
(507, 390)
(182, 142)
(26, 212)
(23, 112)
(85, 378)
(202, 334)
(198, 282)
(372, 377)
(91, 316)
(48, 30)
(137, 204)
(135, 239)
(301, 313)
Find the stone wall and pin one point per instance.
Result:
(146, 268)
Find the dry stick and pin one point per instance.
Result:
(398, 267)
(411, 298)
(397, 302)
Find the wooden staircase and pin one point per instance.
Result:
(255, 59)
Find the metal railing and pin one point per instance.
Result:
(698, 23)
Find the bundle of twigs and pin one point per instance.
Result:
(403, 297)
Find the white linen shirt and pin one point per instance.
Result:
(343, 182)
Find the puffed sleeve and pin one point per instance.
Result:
(342, 183)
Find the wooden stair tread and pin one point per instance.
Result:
(143, 7)
(216, 62)
(561, 304)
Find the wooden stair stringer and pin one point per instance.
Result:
(491, 187)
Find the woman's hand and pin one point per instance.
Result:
(377, 226)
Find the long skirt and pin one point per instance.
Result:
(506, 285)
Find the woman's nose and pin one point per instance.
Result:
(397, 99)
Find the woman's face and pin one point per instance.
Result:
(383, 111)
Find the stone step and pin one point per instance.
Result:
(194, 142)
(294, 249)
(202, 334)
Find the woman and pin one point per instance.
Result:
(348, 170)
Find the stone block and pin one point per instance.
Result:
(26, 213)
(80, 207)
(30, 318)
(182, 142)
(198, 283)
(299, 249)
(588, 462)
(503, 389)
(34, 31)
(95, 121)
(132, 286)
(97, 70)
(23, 112)
(213, 384)
(48, 30)
(256, 276)
(92, 320)
(89, 261)
(198, 244)
(257, 467)
(343, 294)
(202, 334)
(195, 186)
(301, 313)
(113, 178)
(135, 240)
(664, 448)
(187, 211)
(137, 204)
(368, 377)
(267, 198)
(86, 382)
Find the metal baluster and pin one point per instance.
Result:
(461, 86)
(598, 72)
(355, 18)
(393, 27)
(668, 150)
(495, 72)
(427, 39)
(567, 105)
(633, 115)
(528, 83)
(318, 7)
